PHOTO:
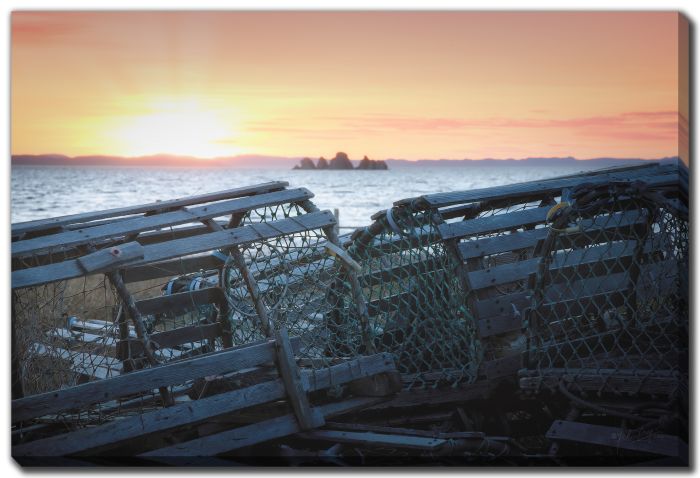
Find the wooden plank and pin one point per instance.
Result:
(618, 438)
(110, 258)
(620, 381)
(147, 379)
(624, 222)
(399, 272)
(655, 176)
(479, 390)
(584, 305)
(374, 439)
(500, 307)
(597, 260)
(292, 383)
(174, 267)
(145, 238)
(145, 223)
(181, 302)
(401, 431)
(257, 433)
(348, 371)
(198, 410)
(37, 225)
(495, 223)
(173, 338)
(183, 247)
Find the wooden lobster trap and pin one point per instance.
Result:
(145, 330)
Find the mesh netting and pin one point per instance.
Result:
(414, 302)
(293, 274)
(608, 296)
(64, 333)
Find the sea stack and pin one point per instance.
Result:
(367, 163)
(341, 161)
(306, 163)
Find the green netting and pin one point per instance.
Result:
(293, 274)
(415, 307)
(610, 293)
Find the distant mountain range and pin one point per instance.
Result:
(262, 161)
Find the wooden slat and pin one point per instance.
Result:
(111, 257)
(399, 272)
(181, 302)
(348, 371)
(183, 247)
(199, 410)
(146, 238)
(585, 305)
(147, 379)
(173, 338)
(618, 438)
(256, 433)
(37, 225)
(374, 439)
(623, 223)
(496, 223)
(654, 175)
(175, 267)
(145, 223)
(402, 431)
(622, 381)
(289, 371)
(502, 305)
(597, 260)
(422, 398)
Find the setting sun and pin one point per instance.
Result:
(175, 127)
(209, 84)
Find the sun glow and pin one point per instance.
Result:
(183, 128)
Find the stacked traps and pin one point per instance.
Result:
(445, 278)
(609, 307)
(414, 300)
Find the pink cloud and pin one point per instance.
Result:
(633, 125)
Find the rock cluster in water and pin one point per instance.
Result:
(341, 161)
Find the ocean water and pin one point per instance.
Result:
(48, 191)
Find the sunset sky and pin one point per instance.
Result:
(383, 84)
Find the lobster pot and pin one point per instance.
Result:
(609, 298)
(414, 299)
(293, 274)
(102, 294)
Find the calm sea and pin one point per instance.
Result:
(48, 191)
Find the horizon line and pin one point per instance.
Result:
(171, 156)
